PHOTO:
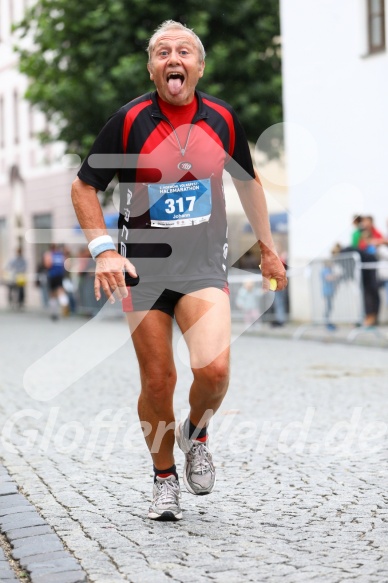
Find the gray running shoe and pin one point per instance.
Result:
(165, 505)
(199, 474)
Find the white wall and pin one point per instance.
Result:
(336, 128)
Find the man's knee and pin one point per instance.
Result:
(215, 376)
(158, 386)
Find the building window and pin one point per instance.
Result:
(376, 26)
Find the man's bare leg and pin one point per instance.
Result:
(204, 319)
(152, 339)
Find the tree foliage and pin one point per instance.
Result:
(88, 58)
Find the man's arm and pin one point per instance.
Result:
(88, 209)
(110, 265)
(252, 198)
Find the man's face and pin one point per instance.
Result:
(175, 66)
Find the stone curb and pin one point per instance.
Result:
(35, 545)
(7, 574)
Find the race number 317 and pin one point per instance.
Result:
(171, 204)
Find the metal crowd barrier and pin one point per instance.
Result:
(335, 288)
(338, 300)
(250, 304)
(337, 295)
(336, 292)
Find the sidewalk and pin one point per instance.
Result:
(344, 334)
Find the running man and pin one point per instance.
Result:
(169, 149)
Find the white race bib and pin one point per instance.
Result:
(180, 204)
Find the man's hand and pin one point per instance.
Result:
(110, 267)
(272, 268)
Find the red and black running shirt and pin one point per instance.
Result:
(141, 146)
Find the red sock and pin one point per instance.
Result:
(165, 473)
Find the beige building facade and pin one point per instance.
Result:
(34, 179)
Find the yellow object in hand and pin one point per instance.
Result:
(273, 284)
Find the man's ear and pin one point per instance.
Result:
(201, 68)
(150, 71)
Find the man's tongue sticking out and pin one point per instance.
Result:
(174, 85)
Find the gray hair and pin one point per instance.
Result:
(173, 25)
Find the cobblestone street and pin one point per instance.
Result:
(299, 445)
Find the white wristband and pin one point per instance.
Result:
(98, 240)
(101, 244)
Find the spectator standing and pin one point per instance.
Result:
(356, 234)
(371, 237)
(370, 240)
(54, 261)
(382, 256)
(328, 282)
(17, 268)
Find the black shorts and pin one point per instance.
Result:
(154, 296)
(54, 282)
